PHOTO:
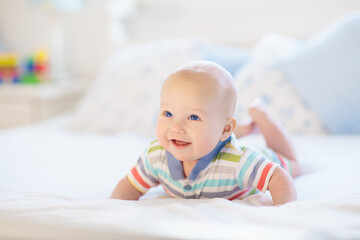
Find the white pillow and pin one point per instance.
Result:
(258, 79)
(326, 73)
(126, 95)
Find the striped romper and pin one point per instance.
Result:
(229, 171)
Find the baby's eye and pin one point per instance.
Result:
(194, 117)
(168, 114)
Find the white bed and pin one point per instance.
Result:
(56, 177)
(55, 184)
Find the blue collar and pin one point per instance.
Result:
(176, 168)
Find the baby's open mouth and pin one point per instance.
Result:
(179, 143)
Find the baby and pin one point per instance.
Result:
(196, 154)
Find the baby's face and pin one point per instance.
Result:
(190, 123)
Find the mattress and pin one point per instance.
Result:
(56, 183)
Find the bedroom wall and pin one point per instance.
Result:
(92, 33)
(238, 22)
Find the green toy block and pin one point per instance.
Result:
(30, 78)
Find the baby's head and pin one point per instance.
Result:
(197, 105)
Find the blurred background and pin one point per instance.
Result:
(68, 42)
(89, 30)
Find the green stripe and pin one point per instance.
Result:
(154, 141)
(227, 157)
(157, 147)
(252, 191)
(244, 149)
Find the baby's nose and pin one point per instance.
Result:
(178, 127)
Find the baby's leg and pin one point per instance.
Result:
(276, 137)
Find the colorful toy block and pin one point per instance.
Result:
(34, 69)
(8, 68)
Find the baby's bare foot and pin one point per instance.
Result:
(257, 109)
(257, 112)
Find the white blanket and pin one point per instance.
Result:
(55, 184)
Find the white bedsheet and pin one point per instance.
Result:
(55, 184)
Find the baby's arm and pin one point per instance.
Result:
(126, 191)
(282, 187)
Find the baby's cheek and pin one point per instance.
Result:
(161, 136)
(159, 129)
(206, 144)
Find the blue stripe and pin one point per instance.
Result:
(244, 169)
(168, 178)
(217, 183)
(213, 183)
(208, 183)
(146, 173)
(149, 167)
(172, 190)
(275, 159)
(254, 172)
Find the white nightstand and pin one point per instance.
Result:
(24, 104)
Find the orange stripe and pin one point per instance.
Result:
(138, 178)
(135, 186)
(263, 176)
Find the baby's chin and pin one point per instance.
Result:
(182, 157)
(187, 160)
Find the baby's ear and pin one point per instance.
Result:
(228, 128)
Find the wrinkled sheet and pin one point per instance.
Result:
(55, 184)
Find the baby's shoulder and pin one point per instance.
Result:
(154, 147)
(231, 152)
(154, 152)
(234, 147)
(235, 152)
